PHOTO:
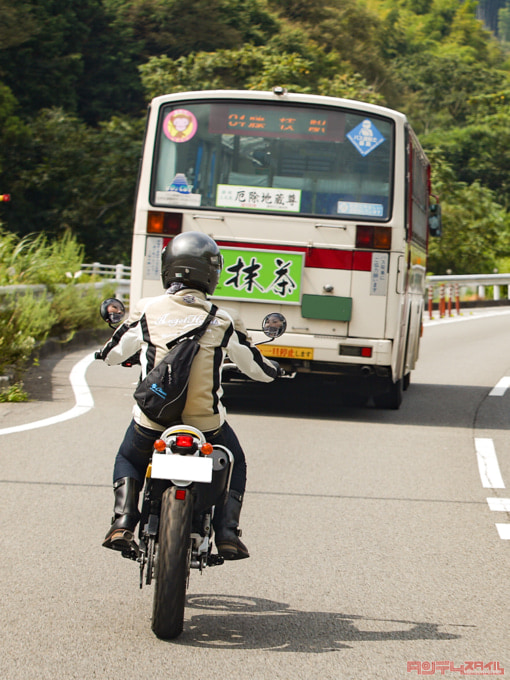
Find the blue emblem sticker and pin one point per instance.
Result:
(365, 137)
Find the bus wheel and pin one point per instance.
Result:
(391, 398)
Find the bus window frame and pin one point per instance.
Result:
(179, 103)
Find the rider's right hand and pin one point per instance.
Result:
(279, 370)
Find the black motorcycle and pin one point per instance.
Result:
(185, 479)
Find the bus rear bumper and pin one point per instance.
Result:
(331, 355)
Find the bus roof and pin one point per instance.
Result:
(281, 95)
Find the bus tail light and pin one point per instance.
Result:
(355, 351)
(378, 238)
(164, 223)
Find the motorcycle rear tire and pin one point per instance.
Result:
(172, 565)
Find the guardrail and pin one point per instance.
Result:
(450, 290)
(117, 274)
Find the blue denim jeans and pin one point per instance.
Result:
(136, 449)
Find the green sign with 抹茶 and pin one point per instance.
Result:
(261, 276)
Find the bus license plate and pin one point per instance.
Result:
(279, 352)
(184, 468)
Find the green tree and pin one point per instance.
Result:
(478, 152)
(179, 27)
(255, 69)
(476, 228)
(81, 179)
(74, 59)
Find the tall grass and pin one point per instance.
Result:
(37, 259)
(26, 321)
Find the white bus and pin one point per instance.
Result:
(321, 209)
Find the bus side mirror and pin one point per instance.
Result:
(435, 219)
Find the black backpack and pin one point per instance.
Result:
(161, 395)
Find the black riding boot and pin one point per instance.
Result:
(226, 528)
(121, 534)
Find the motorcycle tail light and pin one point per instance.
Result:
(159, 445)
(180, 494)
(184, 440)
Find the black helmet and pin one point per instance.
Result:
(194, 259)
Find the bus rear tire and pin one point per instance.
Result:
(391, 398)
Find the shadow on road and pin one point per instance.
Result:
(253, 623)
(320, 398)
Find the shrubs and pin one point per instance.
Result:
(64, 306)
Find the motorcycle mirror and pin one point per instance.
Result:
(113, 311)
(274, 325)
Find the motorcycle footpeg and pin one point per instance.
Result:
(132, 553)
(215, 560)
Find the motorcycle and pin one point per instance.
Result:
(187, 477)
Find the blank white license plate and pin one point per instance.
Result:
(184, 468)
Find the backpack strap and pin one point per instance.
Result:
(195, 332)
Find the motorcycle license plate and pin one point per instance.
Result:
(183, 468)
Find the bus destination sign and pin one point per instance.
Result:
(283, 122)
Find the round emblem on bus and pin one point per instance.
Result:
(180, 125)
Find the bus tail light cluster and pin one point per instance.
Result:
(375, 238)
(159, 222)
(355, 351)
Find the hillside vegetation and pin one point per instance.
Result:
(76, 76)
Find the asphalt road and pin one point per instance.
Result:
(374, 548)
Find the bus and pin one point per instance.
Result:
(321, 207)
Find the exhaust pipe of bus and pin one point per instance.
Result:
(366, 371)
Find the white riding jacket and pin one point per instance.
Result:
(156, 321)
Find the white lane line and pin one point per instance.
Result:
(499, 504)
(500, 389)
(82, 394)
(488, 464)
(504, 531)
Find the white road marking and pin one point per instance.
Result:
(500, 388)
(82, 393)
(499, 504)
(504, 531)
(488, 464)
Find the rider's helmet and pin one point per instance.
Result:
(193, 259)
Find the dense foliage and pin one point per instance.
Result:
(59, 306)
(76, 76)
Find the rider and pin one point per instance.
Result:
(191, 265)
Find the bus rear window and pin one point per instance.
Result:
(303, 160)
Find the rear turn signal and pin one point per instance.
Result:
(207, 449)
(375, 238)
(159, 222)
(159, 445)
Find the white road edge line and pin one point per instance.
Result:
(488, 464)
(82, 393)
